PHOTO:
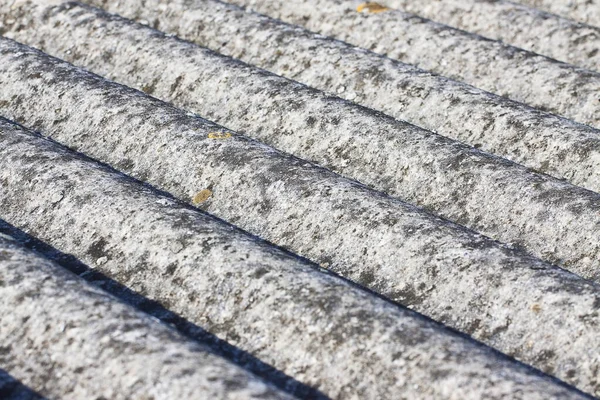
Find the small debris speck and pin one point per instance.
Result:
(201, 196)
(371, 8)
(219, 135)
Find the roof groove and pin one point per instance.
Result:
(452, 180)
(320, 329)
(517, 25)
(381, 243)
(487, 64)
(512, 130)
(587, 11)
(286, 319)
(86, 334)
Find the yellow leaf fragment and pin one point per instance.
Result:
(219, 135)
(201, 196)
(371, 8)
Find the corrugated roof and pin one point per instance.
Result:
(395, 214)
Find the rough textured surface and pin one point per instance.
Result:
(372, 239)
(490, 65)
(69, 340)
(313, 325)
(520, 26)
(150, 307)
(551, 219)
(587, 11)
(541, 141)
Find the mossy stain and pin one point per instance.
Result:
(219, 135)
(371, 8)
(201, 196)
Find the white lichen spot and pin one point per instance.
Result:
(219, 135)
(201, 196)
(164, 202)
(371, 8)
(57, 197)
(101, 260)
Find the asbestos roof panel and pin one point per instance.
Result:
(328, 246)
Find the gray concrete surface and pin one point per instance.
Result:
(541, 141)
(66, 339)
(587, 11)
(149, 307)
(372, 239)
(312, 325)
(451, 180)
(528, 28)
(490, 65)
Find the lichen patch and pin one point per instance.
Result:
(201, 196)
(219, 135)
(371, 8)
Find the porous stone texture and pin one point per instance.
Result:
(440, 269)
(12, 389)
(539, 140)
(587, 11)
(154, 309)
(551, 219)
(487, 64)
(69, 340)
(314, 326)
(514, 24)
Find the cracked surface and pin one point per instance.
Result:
(66, 339)
(524, 27)
(440, 269)
(312, 325)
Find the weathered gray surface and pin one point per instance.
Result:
(372, 239)
(457, 182)
(587, 11)
(314, 326)
(68, 340)
(490, 65)
(541, 141)
(154, 309)
(515, 24)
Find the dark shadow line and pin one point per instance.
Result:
(220, 347)
(195, 332)
(13, 389)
